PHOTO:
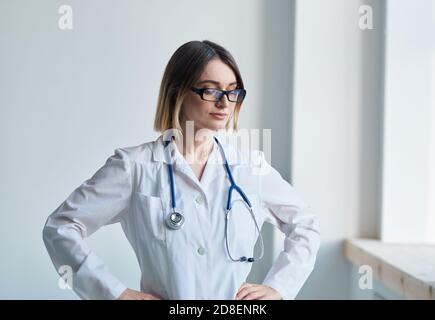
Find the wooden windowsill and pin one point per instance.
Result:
(407, 269)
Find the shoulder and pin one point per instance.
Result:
(141, 153)
(252, 158)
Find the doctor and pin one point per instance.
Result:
(190, 208)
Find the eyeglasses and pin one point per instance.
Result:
(214, 95)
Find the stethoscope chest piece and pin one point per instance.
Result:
(174, 220)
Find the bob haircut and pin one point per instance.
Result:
(181, 73)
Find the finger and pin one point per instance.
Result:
(254, 295)
(245, 291)
(146, 296)
(244, 285)
(247, 285)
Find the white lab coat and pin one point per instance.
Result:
(132, 188)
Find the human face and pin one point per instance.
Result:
(207, 114)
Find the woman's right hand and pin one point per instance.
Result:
(130, 294)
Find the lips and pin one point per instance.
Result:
(218, 114)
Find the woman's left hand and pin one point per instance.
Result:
(252, 291)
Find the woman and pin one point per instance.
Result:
(171, 198)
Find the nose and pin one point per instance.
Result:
(223, 102)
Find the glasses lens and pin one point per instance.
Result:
(211, 95)
(236, 95)
(214, 95)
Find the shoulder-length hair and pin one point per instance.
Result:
(181, 73)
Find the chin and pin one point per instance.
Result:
(217, 126)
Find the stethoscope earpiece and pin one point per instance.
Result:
(243, 259)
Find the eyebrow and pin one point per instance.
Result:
(215, 82)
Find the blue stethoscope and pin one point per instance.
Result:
(175, 220)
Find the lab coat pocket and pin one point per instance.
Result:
(241, 225)
(150, 215)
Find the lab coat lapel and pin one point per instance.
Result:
(182, 166)
(211, 168)
(214, 166)
(171, 154)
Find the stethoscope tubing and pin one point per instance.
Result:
(233, 186)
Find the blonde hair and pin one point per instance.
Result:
(181, 73)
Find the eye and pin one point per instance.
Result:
(209, 90)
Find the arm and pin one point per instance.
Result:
(103, 199)
(286, 210)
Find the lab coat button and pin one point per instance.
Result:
(198, 200)
(201, 251)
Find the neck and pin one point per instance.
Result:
(197, 149)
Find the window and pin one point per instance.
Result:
(408, 181)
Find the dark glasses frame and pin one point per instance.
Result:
(241, 95)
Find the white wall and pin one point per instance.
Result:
(337, 116)
(69, 98)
